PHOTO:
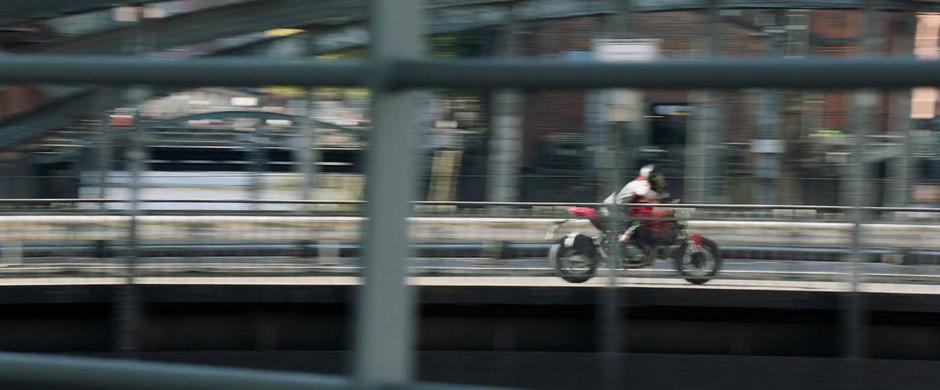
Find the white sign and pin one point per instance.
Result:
(611, 50)
(624, 105)
(767, 146)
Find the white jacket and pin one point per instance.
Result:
(638, 187)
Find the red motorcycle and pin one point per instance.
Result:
(654, 234)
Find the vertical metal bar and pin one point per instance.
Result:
(128, 301)
(698, 165)
(854, 314)
(504, 161)
(305, 157)
(611, 321)
(103, 157)
(309, 154)
(901, 175)
(384, 326)
(104, 147)
(257, 153)
(767, 169)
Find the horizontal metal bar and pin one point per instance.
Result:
(125, 70)
(81, 372)
(711, 206)
(872, 72)
(236, 252)
(57, 371)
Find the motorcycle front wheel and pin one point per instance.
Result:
(698, 267)
(575, 262)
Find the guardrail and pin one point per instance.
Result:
(84, 206)
(16, 229)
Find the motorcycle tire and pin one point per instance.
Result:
(574, 249)
(709, 249)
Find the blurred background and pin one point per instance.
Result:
(750, 146)
(221, 225)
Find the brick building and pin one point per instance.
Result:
(740, 34)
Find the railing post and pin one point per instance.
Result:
(854, 314)
(128, 300)
(385, 310)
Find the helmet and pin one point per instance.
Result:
(656, 180)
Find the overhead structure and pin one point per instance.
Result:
(214, 23)
(337, 25)
(260, 15)
(16, 11)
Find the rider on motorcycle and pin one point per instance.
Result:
(648, 187)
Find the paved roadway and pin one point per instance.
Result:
(483, 281)
(805, 276)
(822, 271)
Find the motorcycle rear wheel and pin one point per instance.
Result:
(574, 264)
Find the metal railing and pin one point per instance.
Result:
(286, 207)
(383, 355)
(399, 74)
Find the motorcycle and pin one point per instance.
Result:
(656, 234)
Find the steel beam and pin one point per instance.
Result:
(61, 111)
(213, 23)
(234, 20)
(31, 125)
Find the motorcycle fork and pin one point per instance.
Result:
(693, 243)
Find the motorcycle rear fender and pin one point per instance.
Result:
(582, 212)
(581, 241)
(550, 234)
